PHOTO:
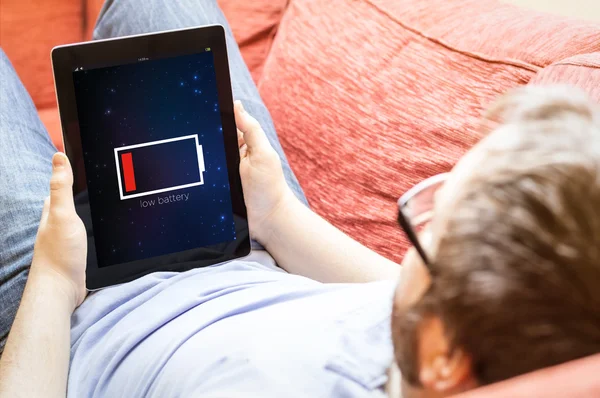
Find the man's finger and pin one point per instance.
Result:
(61, 185)
(254, 136)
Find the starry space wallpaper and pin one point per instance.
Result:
(143, 102)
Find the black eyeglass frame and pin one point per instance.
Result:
(404, 219)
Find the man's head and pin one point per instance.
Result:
(514, 246)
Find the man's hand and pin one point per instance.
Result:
(265, 189)
(61, 245)
(300, 241)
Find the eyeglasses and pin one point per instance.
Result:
(415, 210)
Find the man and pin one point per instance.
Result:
(512, 253)
(513, 232)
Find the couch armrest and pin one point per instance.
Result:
(575, 379)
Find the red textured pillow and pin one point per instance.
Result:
(371, 96)
(575, 379)
(582, 71)
(28, 31)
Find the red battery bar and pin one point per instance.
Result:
(128, 173)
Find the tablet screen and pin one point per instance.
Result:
(154, 157)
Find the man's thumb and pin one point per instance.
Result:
(61, 184)
(254, 136)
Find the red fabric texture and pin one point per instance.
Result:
(575, 379)
(582, 71)
(28, 31)
(369, 97)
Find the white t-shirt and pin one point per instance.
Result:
(240, 329)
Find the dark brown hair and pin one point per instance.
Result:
(517, 265)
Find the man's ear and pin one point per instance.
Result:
(440, 370)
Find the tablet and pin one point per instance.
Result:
(149, 129)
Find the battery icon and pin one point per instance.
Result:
(159, 166)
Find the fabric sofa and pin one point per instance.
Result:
(368, 97)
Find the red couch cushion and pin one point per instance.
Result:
(371, 96)
(575, 379)
(28, 31)
(582, 71)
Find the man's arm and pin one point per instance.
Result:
(300, 241)
(303, 243)
(35, 362)
(36, 357)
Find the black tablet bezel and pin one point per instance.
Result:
(132, 49)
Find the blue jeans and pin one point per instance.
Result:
(26, 149)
